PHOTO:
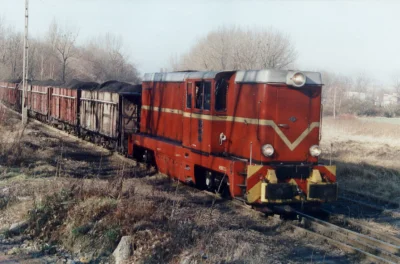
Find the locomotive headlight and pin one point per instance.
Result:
(315, 150)
(267, 150)
(299, 79)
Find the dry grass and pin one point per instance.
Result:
(367, 154)
(367, 130)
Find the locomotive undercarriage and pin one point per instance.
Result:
(302, 186)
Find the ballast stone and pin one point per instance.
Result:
(124, 250)
(19, 227)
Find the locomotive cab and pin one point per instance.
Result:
(204, 122)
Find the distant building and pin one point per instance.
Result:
(356, 95)
(390, 99)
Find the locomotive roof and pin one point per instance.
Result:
(248, 76)
(178, 76)
(275, 76)
(120, 87)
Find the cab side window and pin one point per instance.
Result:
(221, 90)
(189, 95)
(199, 95)
(207, 95)
(203, 95)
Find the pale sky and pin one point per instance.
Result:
(346, 37)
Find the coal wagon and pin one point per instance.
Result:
(38, 99)
(64, 104)
(11, 94)
(108, 116)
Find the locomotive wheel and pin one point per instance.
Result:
(210, 181)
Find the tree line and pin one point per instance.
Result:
(233, 48)
(360, 95)
(58, 56)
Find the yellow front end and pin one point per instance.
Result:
(265, 186)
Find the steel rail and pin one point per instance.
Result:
(345, 247)
(369, 197)
(360, 241)
(375, 207)
(371, 232)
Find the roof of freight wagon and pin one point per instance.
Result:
(80, 85)
(120, 87)
(131, 89)
(48, 82)
(19, 80)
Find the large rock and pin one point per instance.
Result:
(124, 250)
(18, 228)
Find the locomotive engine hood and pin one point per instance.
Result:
(281, 112)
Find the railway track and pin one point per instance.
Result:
(349, 236)
(370, 245)
(368, 201)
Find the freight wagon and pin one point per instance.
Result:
(109, 113)
(64, 104)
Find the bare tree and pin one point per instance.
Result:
(57, 56)
(230, 48)
(107, 60)
(362, 83)
(13, 48)
(63, 41)
(2, 41)
(334, 91)
(174, 62)
(396, 83)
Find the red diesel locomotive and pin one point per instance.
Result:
(252, 135)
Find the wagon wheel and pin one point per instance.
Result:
(148, 158)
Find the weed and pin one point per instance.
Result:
(6, 233)
(47, 216)
(82, 230)
(113, 234)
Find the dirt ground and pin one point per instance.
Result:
(79, 200)
(366, 151)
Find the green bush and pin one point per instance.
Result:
(113, 234)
